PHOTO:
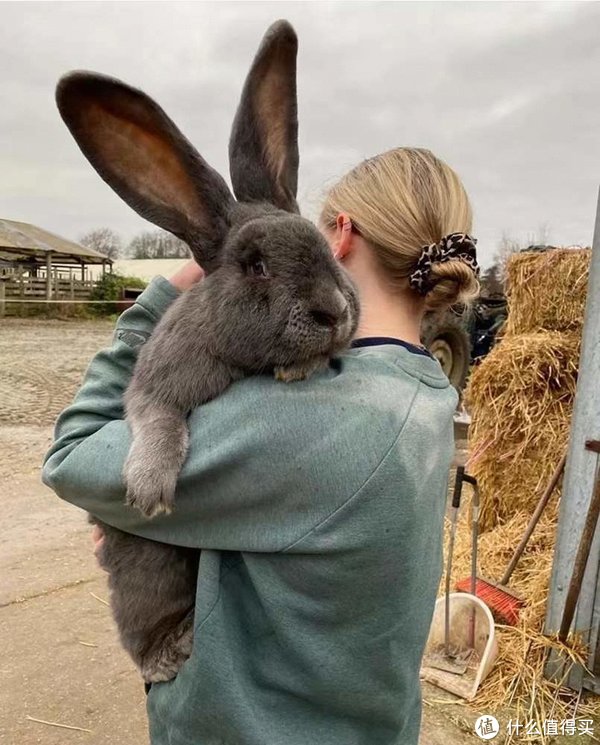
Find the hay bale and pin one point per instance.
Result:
(547, 291)
(520, 399)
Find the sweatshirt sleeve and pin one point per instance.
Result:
(262, 465)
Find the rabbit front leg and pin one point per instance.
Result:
(175, 373)
(160, 442)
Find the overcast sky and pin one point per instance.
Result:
(507, 93)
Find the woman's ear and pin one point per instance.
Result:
(344, 237)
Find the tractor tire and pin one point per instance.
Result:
(448, 341)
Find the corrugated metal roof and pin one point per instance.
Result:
(20, 240)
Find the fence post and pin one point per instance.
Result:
(49, 275)
(21, 288)
(2, 295)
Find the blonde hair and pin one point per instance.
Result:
(401, 201)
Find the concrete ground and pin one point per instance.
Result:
(61, 663)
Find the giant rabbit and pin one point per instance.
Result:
(273, 300)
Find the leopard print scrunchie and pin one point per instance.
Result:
(454, 246)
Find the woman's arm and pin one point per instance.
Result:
(265, 462)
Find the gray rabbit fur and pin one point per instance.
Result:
(273, 300)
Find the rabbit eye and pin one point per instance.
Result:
(257, 268)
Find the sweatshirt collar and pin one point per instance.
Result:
(375, 341)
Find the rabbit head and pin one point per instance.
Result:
(279, 295)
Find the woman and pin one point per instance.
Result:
(318, 505)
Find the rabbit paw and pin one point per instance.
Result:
(151, 491)
(300, 371)
(165, 663)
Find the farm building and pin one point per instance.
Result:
(38, 265)
(145, 269)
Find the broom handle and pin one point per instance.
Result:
(474, 529)
(474, 534)
(460, 471)
(534, 520)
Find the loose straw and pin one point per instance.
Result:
(57, 724)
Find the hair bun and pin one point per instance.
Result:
(458, 246)
(451, 282)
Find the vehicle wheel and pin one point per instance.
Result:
(449, 343)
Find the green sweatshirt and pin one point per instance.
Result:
(319, 508)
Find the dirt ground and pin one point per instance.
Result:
(60, 658)
(61, 663)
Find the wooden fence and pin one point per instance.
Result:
(17, 286)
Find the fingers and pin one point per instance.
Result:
(187, 276)
(97, 534)
(98, 539)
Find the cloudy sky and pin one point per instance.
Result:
(507, 93)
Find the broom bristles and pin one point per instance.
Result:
(504, 604)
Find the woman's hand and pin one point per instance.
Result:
(98, 538)
(189, 274)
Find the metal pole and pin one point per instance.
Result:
(589, 529)
(578, 487)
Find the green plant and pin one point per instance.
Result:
(109, 288)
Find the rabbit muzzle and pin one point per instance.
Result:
(334, 320)
(332, 313)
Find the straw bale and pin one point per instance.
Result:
(547, 291)
(520, 399)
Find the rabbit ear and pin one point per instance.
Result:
(263, 149)
(142, 155)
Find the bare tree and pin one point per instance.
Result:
(509, 246)
(103, 240)
(491, 283)
(157, 245)
(541, 238)
(506, 248)
(142, 246)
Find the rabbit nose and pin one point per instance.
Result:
(324, 317)
(331, 313)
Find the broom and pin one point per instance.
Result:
(504, 603)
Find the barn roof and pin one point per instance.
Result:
(22, 241)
